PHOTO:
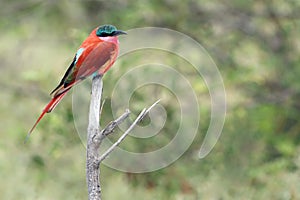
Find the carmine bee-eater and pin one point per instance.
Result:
(96, 54)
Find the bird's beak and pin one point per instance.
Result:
(119, 32)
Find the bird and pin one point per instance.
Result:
(96, 55)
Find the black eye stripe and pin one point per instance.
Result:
(103, 34)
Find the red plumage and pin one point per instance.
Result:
(97, 53)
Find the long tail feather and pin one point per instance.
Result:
(48, 108)
(58, 99)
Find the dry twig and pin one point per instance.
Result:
(95, 137)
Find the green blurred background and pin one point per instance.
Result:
(256, 46)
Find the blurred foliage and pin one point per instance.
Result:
(256, 46)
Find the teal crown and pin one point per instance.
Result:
(108, 30)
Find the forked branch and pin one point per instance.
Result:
(95, 137)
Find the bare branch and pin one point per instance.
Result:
(110, 127)
(95, 136)
(92, 153)
(142, 114)
(108, 151)
(148, 110)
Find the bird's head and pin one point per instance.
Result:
(108, 31)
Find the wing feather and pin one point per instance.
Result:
(97, 56)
